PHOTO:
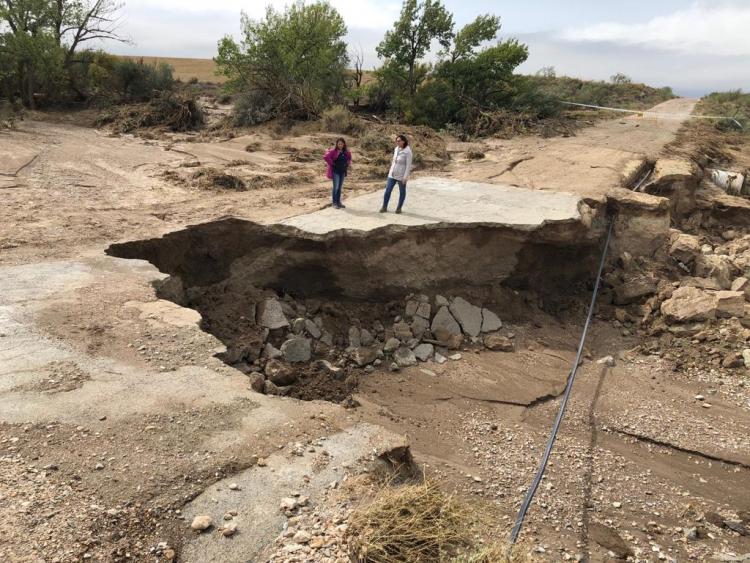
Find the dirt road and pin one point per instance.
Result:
(115, 414)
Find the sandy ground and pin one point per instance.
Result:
(114, 414)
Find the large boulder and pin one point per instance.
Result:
(448, 339)
(742, 284)
(280, 373)
(404, 357)
(424, 352)
(498, 342)
(685, 248)
(363, 355)
(715, 266)
(468, 316)
(296, 349)
(634, 287)
(490, 321)
(402, 331)
(392, 344)
(730, 304)
(689, 304)
(419, 326)
(444, 321)
(269, 314)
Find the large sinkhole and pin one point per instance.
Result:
(338, 305)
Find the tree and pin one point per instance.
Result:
(295, 60)
(420, 23)
(42, 38)
(355, 90)
(620, 78)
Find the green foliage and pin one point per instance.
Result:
(339, 119)
(296, 59)
(620, 78)
(627, 95)
(40, 43)
(252, 108)
(419, 24)
(735, 105)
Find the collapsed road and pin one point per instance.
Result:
(124, 417)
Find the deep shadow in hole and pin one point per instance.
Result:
(225, 268)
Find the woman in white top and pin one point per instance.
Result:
(399, 173)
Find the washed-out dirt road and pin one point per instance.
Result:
(118, 423)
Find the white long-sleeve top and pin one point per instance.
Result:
(401, 164)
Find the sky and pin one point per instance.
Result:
(693, 46)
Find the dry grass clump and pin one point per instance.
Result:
(173, 112)
(496, 553)
(253, 147)
(210, 178)
(416, 523)
(339, 119)
(473, 154)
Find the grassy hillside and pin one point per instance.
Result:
(629, 95)
(187, 69)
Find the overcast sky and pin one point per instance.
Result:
(695, 47)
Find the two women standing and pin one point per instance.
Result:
(339, 159)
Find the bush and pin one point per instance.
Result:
(252, 108)
(137, 81)
(338, 119)
(376, 141)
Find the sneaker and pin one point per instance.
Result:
(342, 206)
(398, 210)
(383, 210)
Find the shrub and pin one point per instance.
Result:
(252, 108)
(338, 119)
(375, 141)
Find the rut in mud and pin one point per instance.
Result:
(342, 297)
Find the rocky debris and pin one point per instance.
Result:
(468, 316)
(363, 355)
(366, 338)
(715, 266)
(298, 325)
(424, 311)
(228, 529)
(411, 308)
(296, 350)
(447, 339)
(608, 361)
(419, 327)
(392, 344)
(689, 304)
(746, 357)
(280, 373)
(490, 321)
(402, 331)
(424, 352)
(271, 352)
(609, 539)
(269, 314)
(498, 342)
(313, 329)
(404, 357)
(730, 304)
(441, 301)
(635, 287)
(444, 322)
(257, 381)
(355, 337)
(329, 368)
(201, 523)
(270, 388)
(685, 248)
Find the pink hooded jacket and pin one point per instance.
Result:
(330, 156)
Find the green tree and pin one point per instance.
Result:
(42, 37)
(420, 23)
(295, 60)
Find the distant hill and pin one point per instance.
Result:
(185, 69)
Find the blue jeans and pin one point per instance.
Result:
(389, 188)
(338, 183)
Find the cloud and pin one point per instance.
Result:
(363, 14)
(721, 30)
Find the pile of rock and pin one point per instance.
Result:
(293, 334)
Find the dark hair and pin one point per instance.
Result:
(404, 139)
(345, 149)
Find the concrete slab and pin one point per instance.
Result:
(441, 200)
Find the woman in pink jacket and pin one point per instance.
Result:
(338, 159)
